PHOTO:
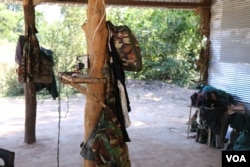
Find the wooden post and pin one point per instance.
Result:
(205, 31)
(96, 36)
(30, 90)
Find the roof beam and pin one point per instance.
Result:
(135, 3)
(36, 2)
(158, 4)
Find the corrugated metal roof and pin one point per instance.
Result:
(142, 3)
(174, 1)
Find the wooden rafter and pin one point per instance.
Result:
(137, 3)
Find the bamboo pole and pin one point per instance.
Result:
(30, 90)
(96, 36)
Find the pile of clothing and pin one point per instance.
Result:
(211, 115)
(217, 115)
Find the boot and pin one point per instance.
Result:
(198, 132)
(203, 136)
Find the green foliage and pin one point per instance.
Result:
(12, 21)
(65, 37)
(9, 85)
(169, 41)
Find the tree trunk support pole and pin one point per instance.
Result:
(205, 15)
(30, 90)
(96, 36)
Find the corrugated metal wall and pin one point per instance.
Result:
(230, 48)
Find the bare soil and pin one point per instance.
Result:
(158, 132)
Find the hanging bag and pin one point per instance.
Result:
(127, 46)
(37, 62)
(20, 60)
(105, 144)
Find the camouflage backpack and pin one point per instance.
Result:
(35, 63)
(126, 45)
(106, 145)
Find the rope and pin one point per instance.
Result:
(67, 95)
(59, 124)
(98, 26)
(100, 20)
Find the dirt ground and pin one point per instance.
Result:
(158, 131)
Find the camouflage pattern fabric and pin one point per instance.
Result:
(34, 65)
(108, 147)
(43, 69)
(127, 46)
(106, 144)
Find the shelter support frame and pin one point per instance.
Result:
(30, 89)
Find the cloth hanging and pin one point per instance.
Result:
(19, 49)
(124, 103)
(105, 144)
(212, 118)
(35, 63)
(118, 74)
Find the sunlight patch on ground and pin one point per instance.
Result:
(152, 97)
(138, 123)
